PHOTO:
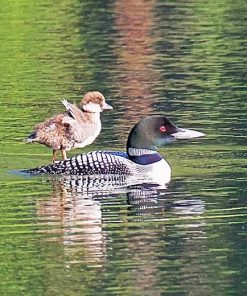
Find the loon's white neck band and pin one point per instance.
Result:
(140, 151)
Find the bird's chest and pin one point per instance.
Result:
(159, 172)
(88, 134)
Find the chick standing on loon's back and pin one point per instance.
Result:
(76, 128)
(141, 158)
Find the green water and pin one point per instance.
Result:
(185, 59)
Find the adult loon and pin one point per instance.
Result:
(76, 128)
(141, 158)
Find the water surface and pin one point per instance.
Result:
(183, 59)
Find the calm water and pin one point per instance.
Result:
(186, 59)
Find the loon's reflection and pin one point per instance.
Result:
(79, 212)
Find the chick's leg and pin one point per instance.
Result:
(54, 156)
(64, 156)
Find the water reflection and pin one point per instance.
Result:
(76, 217)
(135, 56)
(77, 221)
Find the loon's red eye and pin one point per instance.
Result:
(163, 129)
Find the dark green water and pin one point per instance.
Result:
(186, 59)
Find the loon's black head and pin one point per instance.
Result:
(156, 131)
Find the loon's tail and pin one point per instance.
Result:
(31, 138)
(45, 169)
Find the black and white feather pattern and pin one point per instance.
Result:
(104, 183)
(91, 163)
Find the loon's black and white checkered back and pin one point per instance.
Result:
(91, 163)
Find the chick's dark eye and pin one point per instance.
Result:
(163, 129)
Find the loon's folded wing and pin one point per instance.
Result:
(91, 163)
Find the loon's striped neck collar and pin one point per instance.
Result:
(143, 156)
(140, 151)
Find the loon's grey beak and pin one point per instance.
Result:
(184, 133)
(106, 107)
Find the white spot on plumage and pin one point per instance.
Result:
(94, 156)
(79, 161)
(99, 157)
(103, 163)
(84, 158)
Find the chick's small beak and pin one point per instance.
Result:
(106, 106)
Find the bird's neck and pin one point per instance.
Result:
(143, 156)
(91, 117)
